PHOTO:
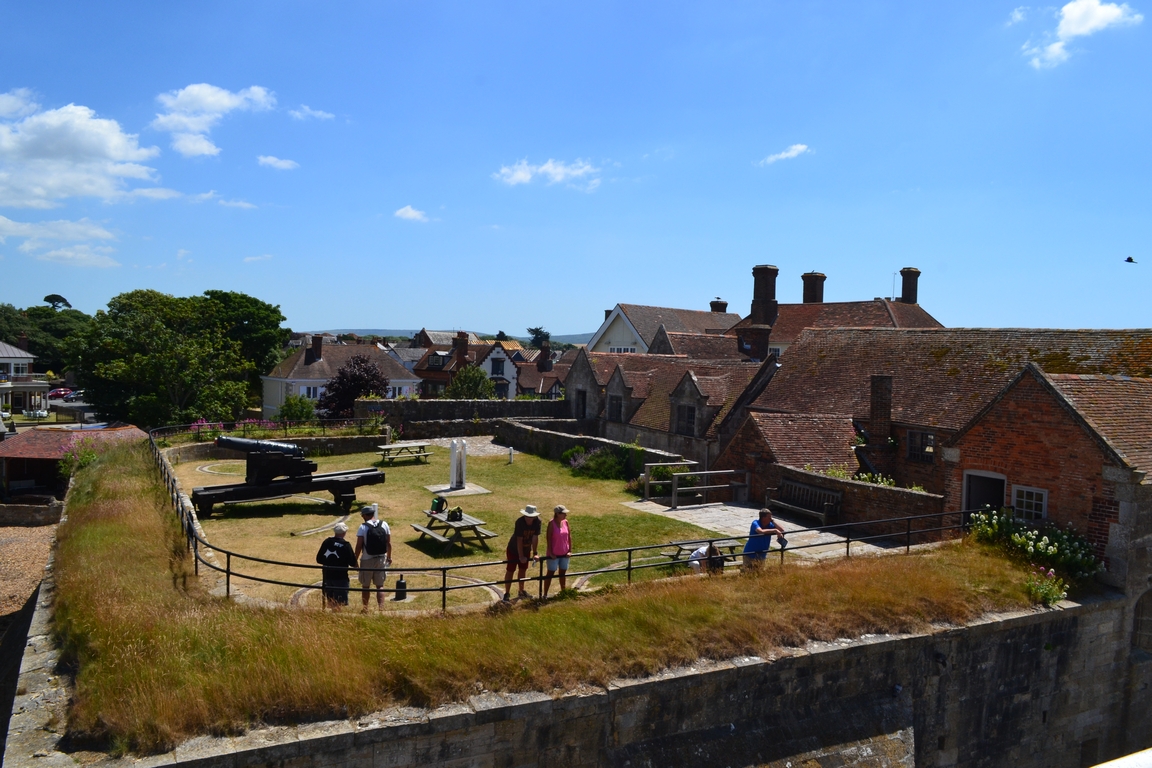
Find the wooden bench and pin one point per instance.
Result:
(486, 533)
(804, 499)
(429, 532)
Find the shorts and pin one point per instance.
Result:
(557, 562)
(754, 560)
(336, 592)
(369, 576)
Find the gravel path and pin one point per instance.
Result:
(23, 555)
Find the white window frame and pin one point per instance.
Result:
(312, 393)
(621, 350)
(1031, 515)
(979, 473)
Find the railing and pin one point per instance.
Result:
(23, 378)
(632, 559)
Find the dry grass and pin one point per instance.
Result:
(158, 661)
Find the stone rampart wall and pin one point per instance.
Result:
(30, 514)
(551, 444)
(397, 412)
(334, 445)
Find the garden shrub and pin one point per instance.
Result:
(1046, 587)
(570, 455)
(600, 464)
(1045, 546)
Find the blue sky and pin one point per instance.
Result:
(499, 165)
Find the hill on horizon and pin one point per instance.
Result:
(571, 338)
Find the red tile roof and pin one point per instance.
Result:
(647, 320)
(699, 346)
(302, 364)
(52, 444)
(720, 383)
(821, 441)
(1119, 408)
(792, 319)
(941, 377)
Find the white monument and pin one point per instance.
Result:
(458, 465)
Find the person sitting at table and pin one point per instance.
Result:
(336, 555)
(557, 547)
(707, 556)
(522, 549)
(760, 540)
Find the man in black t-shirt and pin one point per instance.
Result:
(337, 556)
(522, 549)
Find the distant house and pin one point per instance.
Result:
(440, 363)
(631, 328)
(670, 403)
(20, 389)
(306, 371)
(426, 339)
(542, 376)
(406, 356)
(30, 460)
(499, 363)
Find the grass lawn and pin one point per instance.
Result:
(157, 660)
(597, 518)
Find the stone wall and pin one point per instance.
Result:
(333, 445)
(31, 514)
(552, 444)
(1037, 689)
(398, 412)
(426, 430)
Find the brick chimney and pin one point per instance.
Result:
(22, 342)
(460, 345)
(880, 410)
(764, 306)
(910, 277)
(544, 361)
(718, 305)
(317, 347)
(607, 313)
(813, 287)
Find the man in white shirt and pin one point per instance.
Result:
(374, 551)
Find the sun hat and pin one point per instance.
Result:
(368, 510)
(340, 528)
(560, 508)
(529, 511)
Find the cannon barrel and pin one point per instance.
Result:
(259, 446)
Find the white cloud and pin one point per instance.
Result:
(306, 112)
(1018, 15)
(17, 103)
(236, 203)
(204, 196)
(193, 111)
(554, 171)
(1079, 18)
(411, 214)
(154, 193)
(63, 231)
(48, 156)
(180, 254)
(82, 255)
(265, 257)
(277, 163)
(793, 151)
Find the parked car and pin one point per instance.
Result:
(4, 415)
(76, 395)
(59, 393)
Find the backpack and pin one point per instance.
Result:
(376, 540)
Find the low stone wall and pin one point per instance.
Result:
(864, 502)
(317, 446)
(398, 412)
(551, 444)
(31, 515)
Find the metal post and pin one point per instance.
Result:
(848, 545)
(228, 576)
(630, 564)
(540, 581)
(444, 590)
(908, 541)
(675, 478)
(647, 479)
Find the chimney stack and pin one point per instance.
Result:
(607, 312)
(317, 346)
(813, 287)
(764, 306)
(544, 360)
(460, 345)
(880, 410)
(718, 305)
(908, 291)
(22, 342)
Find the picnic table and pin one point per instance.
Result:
(684, 549)
(466, 530)
(410, 449)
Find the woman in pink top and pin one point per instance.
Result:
(558, 543)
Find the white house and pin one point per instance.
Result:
(20, 389)
(499, 362)
(306, 371)
(632, 327)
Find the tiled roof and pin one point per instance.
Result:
(409, 354)
(878, 313)
(646, 320)
(476, 352)
(303, 365)
(720, 382)
(52, 444)
(702, 346)
(941, 377)
(7, 350)
(1118, 407)
(445, 338)
(798, 440)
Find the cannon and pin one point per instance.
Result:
(268, 459)
(275, 470)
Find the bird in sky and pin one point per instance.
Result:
(1130, 260)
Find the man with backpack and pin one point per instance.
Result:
(374, 550)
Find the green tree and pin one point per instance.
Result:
(359, 377)
(538, 336)
(155, 359)
(296, 408)
(501, 336)
(470, 384)
(255, 325)
(46, 329)
(57, 301)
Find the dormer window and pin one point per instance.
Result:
(686, 420)
(436, 360)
